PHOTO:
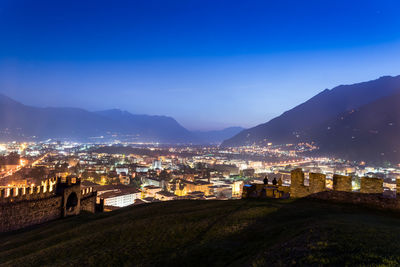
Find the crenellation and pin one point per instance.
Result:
(371, 185)
(11, 192)
(342, 183)
(317, 182)
(25, 206)
(297, 187)
(397, 186)
(87, 191)
(371, 190)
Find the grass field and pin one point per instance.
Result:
(193, 233)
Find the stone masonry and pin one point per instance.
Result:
(53, 199)
(317, 183)
(297, 187)
(342, 183)
(371, 185)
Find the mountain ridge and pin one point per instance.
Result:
(297, 124)
(19, 122)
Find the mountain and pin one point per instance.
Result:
(20, 122)
(216, 137)
(162, 128)
(292, 125)
(358, 121)
(369, 133)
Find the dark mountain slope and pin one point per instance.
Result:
(162, 128)
(18, 121)
(21, 122)
(370, 133)
(292, 125)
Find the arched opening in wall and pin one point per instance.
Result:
(72, 202)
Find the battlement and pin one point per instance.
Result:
(68, 180)
(265, 191)
(341, 183)
(88, 191)
(52, 199)
(15, 194)
(371, 185)
(297, 187)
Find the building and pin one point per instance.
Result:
(157, 164)
(124, 179)
(120, 170)
(117, 195)
(183, 187)
(165, 196)
(151, 190)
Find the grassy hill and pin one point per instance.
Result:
(241, 232)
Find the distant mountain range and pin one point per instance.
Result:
(21, 122)
(359, 122)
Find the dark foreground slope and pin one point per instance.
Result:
(191, 233)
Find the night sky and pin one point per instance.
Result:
(208, 64)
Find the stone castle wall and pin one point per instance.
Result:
(20, 214)
(371, 185)
(53, 199)
(370, 194)
(88, 199)
(317, 182)
(397, 186)
(297, 188)
(342, 183)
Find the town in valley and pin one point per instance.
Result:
(126, 174)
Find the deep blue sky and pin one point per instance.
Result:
(209, 64)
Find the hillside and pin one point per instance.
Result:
(193, 233)
(21, 122)
(162, 128)
(294, 125)
(368, 133)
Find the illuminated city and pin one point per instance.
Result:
(154, 172)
